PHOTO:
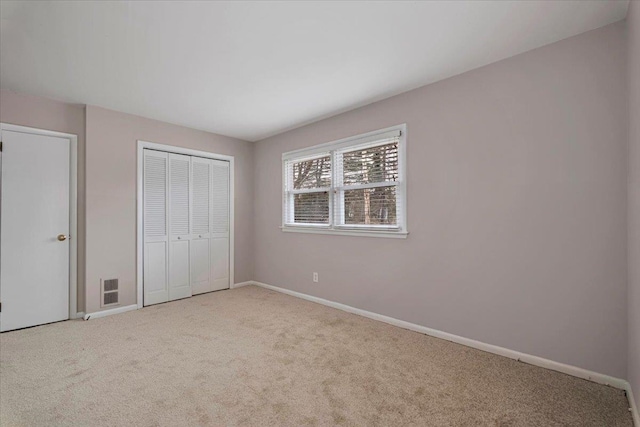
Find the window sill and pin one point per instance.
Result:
(347, 232)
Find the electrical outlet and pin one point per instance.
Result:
(315, 277)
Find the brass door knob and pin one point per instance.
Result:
(62, 237)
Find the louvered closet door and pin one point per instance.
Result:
(219, 225)
(200, 225)
(179, 226)
(156, 242)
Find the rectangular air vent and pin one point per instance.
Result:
(109, 292)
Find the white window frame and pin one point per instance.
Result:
(288, 184)
(348, 144)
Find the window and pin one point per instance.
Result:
(354, 186)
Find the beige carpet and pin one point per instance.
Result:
(250, 356)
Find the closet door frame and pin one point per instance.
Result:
(142, 145)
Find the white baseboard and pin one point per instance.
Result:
(633, 407)
(512, 354)
(79, 315)
(241, 284)
(110, 312)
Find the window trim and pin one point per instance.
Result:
(352, 143)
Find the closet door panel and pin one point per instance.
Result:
(155, 273)
(179, 226)
(200, 268)
(201, 205)
(220, 197)
(155, 226)
(200, 225)
(220, 263)
(220, 224)
(186, 226)
(179, 271)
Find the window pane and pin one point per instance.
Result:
(311, 208)
(315, 173)
(370, 206)
(375, 164)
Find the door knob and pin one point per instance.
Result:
(62, 237)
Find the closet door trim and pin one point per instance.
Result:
(146, 145)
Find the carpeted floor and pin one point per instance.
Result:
(251, 356)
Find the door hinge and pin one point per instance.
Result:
(0, 307)
(0, 145)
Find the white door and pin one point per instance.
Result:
(179, 229)
(34, 230)
(200, 225)
(156, 227)
(186, 226)
(219, 225)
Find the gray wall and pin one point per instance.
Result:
(517, 207)
(633, 25)
(42, 113)
(111, 195)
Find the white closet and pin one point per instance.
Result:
(186, 226)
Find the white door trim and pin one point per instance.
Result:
(73, 206)
(139, 239)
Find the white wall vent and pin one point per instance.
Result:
(110, 292)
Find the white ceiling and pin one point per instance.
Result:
(255, 69)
